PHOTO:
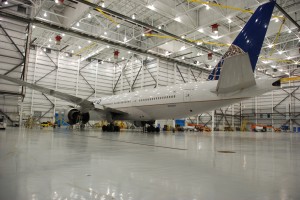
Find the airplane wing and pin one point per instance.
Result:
(83, 103)
(236, 74)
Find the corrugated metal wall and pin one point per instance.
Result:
(12, 51)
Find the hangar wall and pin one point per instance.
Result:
(59, 71)
(13, 39)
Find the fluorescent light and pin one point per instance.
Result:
(177, 19)
(200, 30)
(103, 5)
(77, 24)
(89, 15)
(151, 7)
(182, 57)
(107, 46)
(276, 20)
(133, 16)
(118, 25)
(207, 7)
(45, 14)
(229, 21)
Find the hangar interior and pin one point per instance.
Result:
(96, 48)
(158, 44)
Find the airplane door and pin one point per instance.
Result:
(186, 95)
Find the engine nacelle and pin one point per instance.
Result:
(74, 116)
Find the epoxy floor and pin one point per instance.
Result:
(64, 164)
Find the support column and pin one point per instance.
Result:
(212, 121)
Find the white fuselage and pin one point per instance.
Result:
(177, 101)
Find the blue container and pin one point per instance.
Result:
(180, 122)
(298, 130)
(294, 129)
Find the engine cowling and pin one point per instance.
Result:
(75, 116)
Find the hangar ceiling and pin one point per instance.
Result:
(179, 30)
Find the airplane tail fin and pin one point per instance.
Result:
(249, 40)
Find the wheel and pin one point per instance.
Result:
(117, 129)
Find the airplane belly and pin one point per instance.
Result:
(172, 111)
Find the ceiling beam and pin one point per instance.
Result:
(144, 25)
(48, 26)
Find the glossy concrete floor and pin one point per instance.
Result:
(64, 164)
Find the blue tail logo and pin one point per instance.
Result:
(250, 39)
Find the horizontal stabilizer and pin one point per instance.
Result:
(236, 74)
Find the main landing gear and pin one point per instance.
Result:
(151, 128)
(110, 128)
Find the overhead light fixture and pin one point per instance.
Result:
(45, 14)
(50, 40)
(159, 27)
(270, 46)
(103, 5)
(290, 31)
(89, 41)
(89, 15)
(79, 47)
(280, 52)
(33, 26)
(229, 21)
(182, 57)
(118, 25)
(129, 52)
(288, 57)
(207, 7)
(183, 36)
(122, 58)
(107, 46)
(177, 19)
(143, 34)
(151, 7)
(77, 24)
(49, 45)
(72, 51)
(63, 34)
(105, 33)
(200, 30)
(125, 39)
(5, 2)
(182, 48)
(133, 16)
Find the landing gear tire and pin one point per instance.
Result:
(110, 128)
(104, 128)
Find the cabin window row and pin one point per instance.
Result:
(158, 98)
(122, 102)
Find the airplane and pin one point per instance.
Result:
(231, 81)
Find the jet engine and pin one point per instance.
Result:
(75, 116)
